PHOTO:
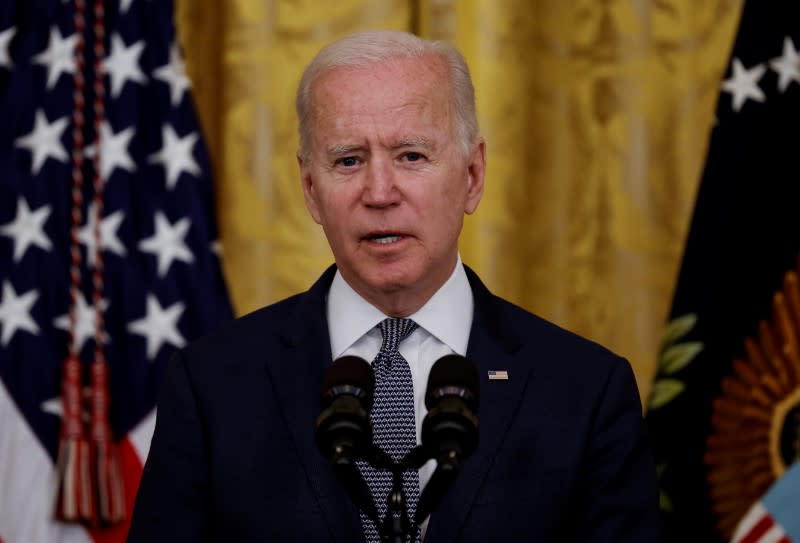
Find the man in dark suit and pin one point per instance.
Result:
(391, 160)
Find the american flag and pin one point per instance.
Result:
(162, 284)
(498, 375)
(774, 518)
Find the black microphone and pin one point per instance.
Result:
(450, 429)
(343, 430)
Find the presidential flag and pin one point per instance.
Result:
(108, 254)
(724, 413)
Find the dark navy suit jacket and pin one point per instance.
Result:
(563, 455)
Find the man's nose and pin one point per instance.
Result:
(380, 183)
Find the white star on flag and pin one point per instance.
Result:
(15, 312)
(5, 40)
(54, 406)
(123, 64)
(114, 149)
(59, 56)
(44, 141)
(216, 247)
(174, 74)
(176, 155)
(159, 325)
(27, 229)
(124, 6)
(743, 84)
(787, 65)
(108, 233)
(167, 242)
(85, 321)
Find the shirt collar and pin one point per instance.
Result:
(447, 315)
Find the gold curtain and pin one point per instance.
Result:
(596, 116)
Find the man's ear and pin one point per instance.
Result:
(309, 188)
(476, 169)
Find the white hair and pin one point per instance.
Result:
(367, 48)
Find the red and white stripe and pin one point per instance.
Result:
(27, 497)
(758, 526)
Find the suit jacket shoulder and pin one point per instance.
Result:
(544, 347)
(562, 455)
(233, 456)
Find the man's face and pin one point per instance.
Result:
(388, 179)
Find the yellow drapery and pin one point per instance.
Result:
(596, 116)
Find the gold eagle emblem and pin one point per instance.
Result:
(756, 417)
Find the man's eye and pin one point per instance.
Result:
(413, 157)
(348, 161)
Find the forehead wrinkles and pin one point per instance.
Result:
(419, 130)
(372, 95)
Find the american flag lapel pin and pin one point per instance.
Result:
(498, 375)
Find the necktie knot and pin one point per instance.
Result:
(394, 331)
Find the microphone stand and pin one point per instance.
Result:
(396, 525)
(350, 477)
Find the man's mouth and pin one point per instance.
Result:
(385, 239)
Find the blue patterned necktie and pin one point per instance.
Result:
(394, 427)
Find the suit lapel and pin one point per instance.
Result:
(297, 379)
(492, 346)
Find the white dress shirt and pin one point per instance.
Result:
(444, 325)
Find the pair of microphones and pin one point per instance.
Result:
(449, 434)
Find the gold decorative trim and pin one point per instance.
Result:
(782, 409)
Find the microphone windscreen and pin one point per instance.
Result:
(453, 374)
(349, 375)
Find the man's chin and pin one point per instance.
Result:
(390, 280)
(392, 285)
(397, 289)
